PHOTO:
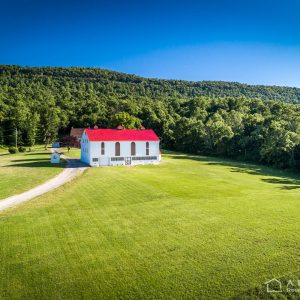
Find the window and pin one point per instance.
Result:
(117, 149)
(147, 148)
(102, 148)
(133, 149)
(117, 159)
(144, 158)
(94, 159)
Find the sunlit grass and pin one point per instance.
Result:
(190, 228)
(73, 152)
(22, 171)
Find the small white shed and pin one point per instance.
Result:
(55, 157)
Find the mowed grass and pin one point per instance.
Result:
(73, 152)
(3, 149)
(22, 171)
(190, 228)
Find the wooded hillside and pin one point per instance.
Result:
(216, 118)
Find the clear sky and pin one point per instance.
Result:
(250, 41)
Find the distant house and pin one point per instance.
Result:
(110, 147)
(77, 132)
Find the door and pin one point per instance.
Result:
(127, 161)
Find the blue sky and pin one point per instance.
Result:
(256, 42)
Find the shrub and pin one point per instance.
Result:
(22, 149)
(12, 150)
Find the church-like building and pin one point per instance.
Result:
(110, 147)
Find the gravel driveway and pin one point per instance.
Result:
(73, 168)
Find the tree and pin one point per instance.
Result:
(69, 141)
(217, 133)
(32, 129)
(189, 135)
(214, 118)
(126, 120)
(279, 145)
(49, 124)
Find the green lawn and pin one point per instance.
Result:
(22, 171)
(3, 149)
(74, 152)
(187, 229)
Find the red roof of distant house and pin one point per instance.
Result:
(121, 135)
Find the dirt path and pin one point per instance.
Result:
(73, 168)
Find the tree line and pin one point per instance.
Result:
(211, 118)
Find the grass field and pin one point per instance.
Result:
(74, 152)
(3, 149)
(191, 228)
(22, 171)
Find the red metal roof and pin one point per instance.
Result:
(121, 135)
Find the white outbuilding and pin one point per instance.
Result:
(110, 147)
(55, 157)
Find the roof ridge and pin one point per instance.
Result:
(112, 134)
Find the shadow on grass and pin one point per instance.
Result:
(38, 153)
(31, 160)
(286, 287)
(286, 180)
(292, 183)
(37, 163)
(26, 153)
(45, 163)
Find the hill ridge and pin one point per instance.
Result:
(167, 87)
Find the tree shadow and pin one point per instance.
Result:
(38, 153)
(30, 160)
(26, 153)
(292, 183)
(287, 180)
(37, 163)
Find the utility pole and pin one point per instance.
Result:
(16, 138)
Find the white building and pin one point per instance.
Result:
(55, 157)
(110, 147)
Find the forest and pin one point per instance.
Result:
(245, 122)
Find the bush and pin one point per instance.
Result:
(12, 150)
(22, 149)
